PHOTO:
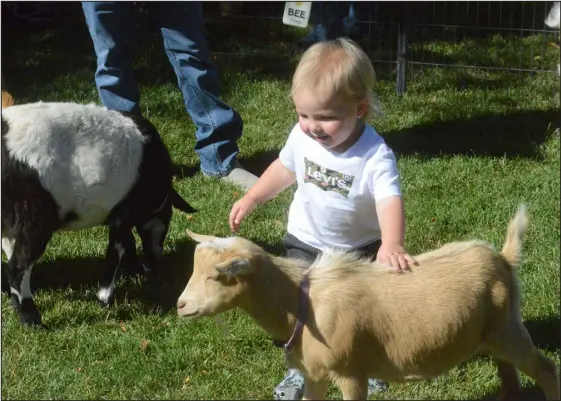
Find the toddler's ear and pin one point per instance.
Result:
(362, 108)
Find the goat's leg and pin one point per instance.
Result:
(314, 390)
(510, 382)
(120, 247)
(5, 284)
(26, 250)
(353, 388)
(153, 233)
(8, 248)
(513, 345)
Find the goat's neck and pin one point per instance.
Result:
(274, 299)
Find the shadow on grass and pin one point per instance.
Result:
(184, 171)
(532, 393)
(545, 333)
(257, 163)
(512, 135)
(80, 274)
(39, 52)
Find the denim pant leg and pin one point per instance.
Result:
(330, 20)
(219, 126)
(111, 27)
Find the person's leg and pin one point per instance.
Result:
(111, 27)
(292, 385)
(219, 126)
(297, 249)
(329, 20)
(370, 250)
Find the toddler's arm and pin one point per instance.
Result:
(391, 217)
(272, 182)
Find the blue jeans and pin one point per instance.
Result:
(111, 27)
(330, 20)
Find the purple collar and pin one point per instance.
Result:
(301, 317)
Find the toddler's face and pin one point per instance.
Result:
(330, 121)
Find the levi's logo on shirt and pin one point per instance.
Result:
(326, 179)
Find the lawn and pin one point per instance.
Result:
(471, 146)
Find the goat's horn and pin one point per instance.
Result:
(201, 237)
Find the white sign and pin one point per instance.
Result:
(297, 13)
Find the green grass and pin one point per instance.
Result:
(471, 145)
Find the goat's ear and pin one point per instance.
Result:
(201, 237)
(7, 100)
(234, 267)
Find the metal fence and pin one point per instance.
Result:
(401, 38)
(405, 37)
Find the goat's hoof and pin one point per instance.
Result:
(41, 326)
(29, 315)
(134, 269)
(104, 304)
(33, 322)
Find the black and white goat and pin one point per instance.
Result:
(68, 166)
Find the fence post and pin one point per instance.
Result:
(402, 30)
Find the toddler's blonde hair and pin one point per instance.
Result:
(337, 67)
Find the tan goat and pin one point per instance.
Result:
(366, 320)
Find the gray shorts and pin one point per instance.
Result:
(300, 250)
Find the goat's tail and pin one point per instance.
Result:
(512, 248)
(179, 203)
(7, 100)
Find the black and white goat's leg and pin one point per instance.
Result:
(153, 233)
(8, 248)
(120, 250)
(26, 251)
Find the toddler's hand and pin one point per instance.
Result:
(241, 208)
(395, 256)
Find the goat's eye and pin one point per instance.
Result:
(223, 279)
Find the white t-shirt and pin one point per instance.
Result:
(334, 205)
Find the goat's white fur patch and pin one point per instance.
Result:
(8, 246)
(105, 293)
(120, 249)
(86, 156)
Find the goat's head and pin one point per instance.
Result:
(221, 267)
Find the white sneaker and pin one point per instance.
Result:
(240, 176)
(291, 387)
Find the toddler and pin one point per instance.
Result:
(348, 195)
